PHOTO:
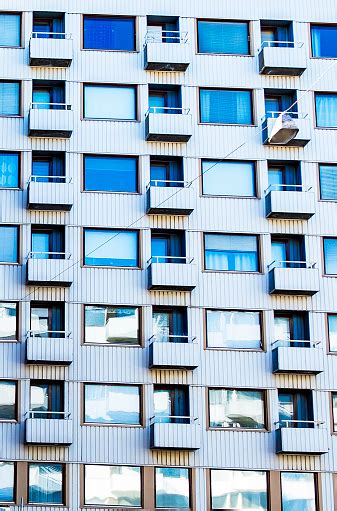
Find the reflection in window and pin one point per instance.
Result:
(326, 110)
(105, 247)
(231, 252)
(109, 102)
(330, 255)
(298, 491)
(7, 400)
(328, 182)
(169, 324)
(236, 408)
(334, 410)
(9, 170)
(9, 236)
(47, 397)
(332, 324)
(8, 321)
(233, 329)
(110, 173)
(108, 33)
(112, 404)
(239, 490)
(171, 403)
(172, 488)
(112, 485)
(111, 325)
(7, 482)
(233, 178)
(224, 37)
(47, 320)
(223, 106)
(324, 41)
(46, 483)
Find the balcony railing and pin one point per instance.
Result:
(49, 269)
(291, 264)
(49, 255)
(166, 36)
(293, 277)
(175, 432)
(169, 197)
(49, 106)
(49, 179)
(48, 334)
(287, 188)
(51, 35)
(167, 183)
(166, 51)
(49, 347)
(280, 44)
(48, 120)
(172, 338)
(285, 58)
(48, 428)
(173, 352)
(47, 414)
(173, 419)
(50, 193)
(170, 259)
(167, 110)
(290, 343)
(168, 124)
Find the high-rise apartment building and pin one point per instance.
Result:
(168, 255)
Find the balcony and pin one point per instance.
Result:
(174, 352)
(50, 120)
(288, 129)
(309, 437)
(298, 357)
(50, 193)
(49, 428)
(282, 58)
(49, 269)
(50, 49)
(175, 433)
(178, 275)
(50, 347)
(166, 51)
(293, 278)
(170, 198)
(166, 124)
(292, 202)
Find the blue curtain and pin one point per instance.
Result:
(328, 181)
(221, 106)
(108, 33)
(326, 110)
(10, 30)
(324, 41)
(223, 37)
(9, 98)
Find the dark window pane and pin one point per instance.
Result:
(106, 485)
(112, 404)
(235, 178)
(9, 170)
(231, 252)
(326, 110)
(111, 248)
(9, 244)
(110, 173)
(7, 483)
(239, 490)
(8, 321)
(9, 98)
(236, 409)
(7, 400)
(223, 37)
(109, 33)
(111, 325)
(45, 483)
(10, 30)
(328, 181)
(221, 106)
(324, 41)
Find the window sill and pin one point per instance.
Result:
(99, 424)
(243, 350)
(333, 128)
(9, 340)
(110, 51)
(322, 58)
(334, 201)
(206, 196)
(224, 124)
(10, 188)
(249, 55)
(107, 345)
(110, 193)
(111, 267)
(13, 116)
(234, 272)
(90, 119)
(243, 430)
(3, 263)
(9, 421)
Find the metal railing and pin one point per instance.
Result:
(280, 44)
(167, 110)
(49, 106)
(173, 419)
(177, 339)
(45, 334)
(167, 182)
(36, 179)
(287, 423)
(163, 259)
(288, 343)
(291, 264)
(46, 413)
(300, 188)
(62, 255)
(165, 36)
(275, 115)
(50, 35)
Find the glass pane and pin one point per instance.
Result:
(223, 37)
(9, 98)
(275, 177)
(220, 106)
(282, 328)
(328, 181)
(172, 488)
(110, 174)
(46, 397)
(7, 400)
(40, 321)
(330, 256)
(279, 251)
(231, 252)
(324, 41)
(7, 474)
(112, 486)
(109, 33)
(42, 98)
(233, 329)
(286, 407)
(111, 325)
(40, 244)
(109, 102)
(111, 248)
(326, 110)
(332, 322)
(334, 409)
(161, 325)
(228, 178)
(45, 483)
(239, 490)
(298, 491)
(236, 409)
(8, 321)
(112, 404)
(163, 403)
(8, 244)
(9, 170)
(10, 30)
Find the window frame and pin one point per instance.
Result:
(327, 327)
(21, 45)
(101, 156)
(19, 153)
(16, 405)
(324, 273)
(18, 115)
(64, 484)
(111, 85)
(5, 503)
(216, 161)
(319, 165)
(100, 15)
(316, 486)
(249, 272)
(317, 24)
(222, 20)
(17, 326)
(139, 252)
(332, 415)
(190, 487)
(323, 93)
(237, 89)
(18, 248)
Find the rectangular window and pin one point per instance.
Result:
(328, 182)
(332, 326)
(233, 408)
(106, 485)
(226, 106)
(10, 30)
(324, 41)
(298, 490)
(295, 408)
(290, 327)
(111, 325)
(112, 404)
(9, 238)
(7, 481)
(172, 488)
(104, 247)
(231, 252)
(109, 33)
(8, 396)
(224, 37)
(233, 329)
(326, 110)
(230, 178)
(48, 167)
(46, 483)
(171, 403)
(330, 256)
(110, 102)
(47, 319)
(334, 411)
(47, 398)
(9, 98)
(110, 173)
(8, 321)
(239, 490)
(9, 170)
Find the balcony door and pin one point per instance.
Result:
(295, 409)
(171, 404)
(48, 399)
(169, 325)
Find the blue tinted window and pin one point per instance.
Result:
(223, 37)
(9, 244)
(7, 471)
(324, 41)
(9, 170)
(110, 173)
(107, 33)
(45, 483)
(9, 98)
(231, 252)
(232, 178)
(110, 102)
(105, 247)
(326, 110)
(330, 256)
(10, 30)
(328, 181)
(223, 106)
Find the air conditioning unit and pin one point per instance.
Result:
(284, 130)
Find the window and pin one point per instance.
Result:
(168, 247)
(166, 172)
(233, 329)
(231, 252)
(284, 176)
(233, 408)
(231, 178)
(47, 398)
(47, 319)
(226, 37)
(8, 397)
(326, 110)
(334, 411)
(48, 25)
(172, 488)
(8, 321)
(106, 485)
(104, 247)
(7, 481)
(332, 327)
(171, 404)
(290, 327)
(109, 33)
(295, 408)
(9, 98)
(298, 490)
(328, 181)
(112, 404)
(288, 252)
(169, 324)
(48, 95)
(9, 243)
(47, 242)
(110, 102)
(239, 490)
(330, 256)
(164, 100)
(324, 41)
(278, 102)
(10, 30)
(48, 167)
(110, 173)
(111, 325)
(277, 33)
(9, 170)
(225, 106)
(46, 483)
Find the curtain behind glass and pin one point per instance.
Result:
(220, 106)
(326, 110)
(328, 182)
(330, 256)
(8, 244)
(324, 41)
(9, 98)
(223, 37)
(10, 30)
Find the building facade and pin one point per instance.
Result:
(168, 255)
